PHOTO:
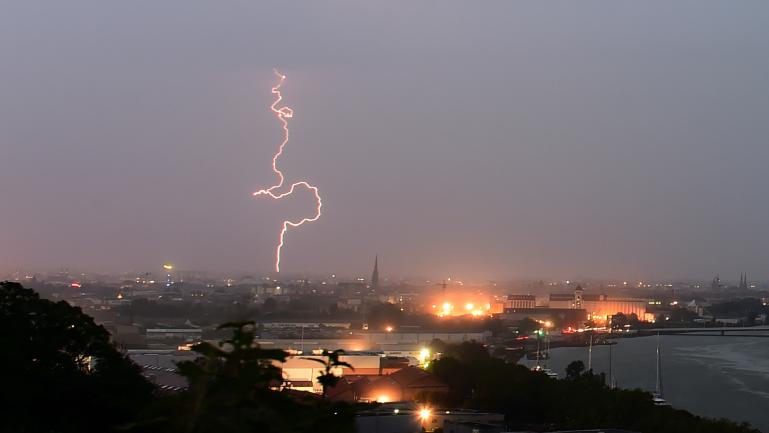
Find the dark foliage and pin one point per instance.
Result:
(232, 390)
(533, 401)
(59, 372)
(739, 307)
(527, 326)
(328, 379)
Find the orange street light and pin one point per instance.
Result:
(424, 414)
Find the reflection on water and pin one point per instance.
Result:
(710, 376)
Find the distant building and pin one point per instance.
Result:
(127, 336)
(372, 378)
(599, 307)
(716, 283)
(375, 275)
(284, 325)
(353, 304)
(424, 337)
(561, 300)
(743, 281)
(578, 292)
(350, 288)
(405, 384)
(563, 316)
(301, 372)
(520, 301)
(181, 334)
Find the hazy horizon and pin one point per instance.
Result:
(491, 142)
(386, 276)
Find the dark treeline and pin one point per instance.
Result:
(378, 316)
(60, 373)
(58, 370)
(748, 307)
(532, 401)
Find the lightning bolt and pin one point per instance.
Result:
(284, 113)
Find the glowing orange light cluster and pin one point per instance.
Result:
(449, 309)
(284, 113)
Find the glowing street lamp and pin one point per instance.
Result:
(447, 307)
(424, 357)
(424, 354)
(424, 414)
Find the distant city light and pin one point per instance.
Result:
(475, 308)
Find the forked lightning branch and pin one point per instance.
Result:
(285, 113)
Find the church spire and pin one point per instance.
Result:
(375, 274)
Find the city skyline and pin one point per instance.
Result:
(743, 282)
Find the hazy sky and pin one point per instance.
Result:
(494, 139)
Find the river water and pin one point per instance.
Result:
(710, 376)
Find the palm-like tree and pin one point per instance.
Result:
(327, 378)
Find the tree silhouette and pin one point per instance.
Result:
(532, 401)
(328, 379)
(575, 369)
(234, 388)
(59, 371)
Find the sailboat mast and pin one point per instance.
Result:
(659, 367)
(611, 378)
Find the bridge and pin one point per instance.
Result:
(721, 331)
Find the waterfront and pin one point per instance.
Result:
(710, 376)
